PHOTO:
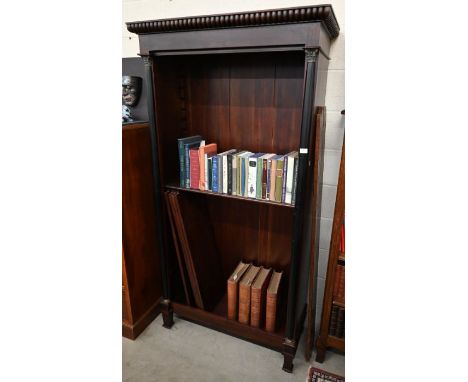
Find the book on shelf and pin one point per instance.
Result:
(279, 179)
(181, 142)
(291, 159)
(244, 170)
(222, 171)
(265, 175)
(235, 175)
(187, 148)
(230, 157)
(258, 297)
(194, 168)
(272, 301)
(272, 177)
(212, 148)
(245, 294)
(209, 170)
(215, 174)
(294, 186)
(233, 289)
(252, 175)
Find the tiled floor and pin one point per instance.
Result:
(190, 352)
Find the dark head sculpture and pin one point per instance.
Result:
(131, 89)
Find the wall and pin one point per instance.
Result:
(134, 10)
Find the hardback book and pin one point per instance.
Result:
(258, 190)
(222, 171)
(268, 186)
(182, 163)
(265, 183)
(212, 148)
(214, 175)
(187, 147)
(294, 186)
(272, 301)
(244, 293)
(273, 176)
(279, 179)
(245, 173)
(210, 173)
(240, 164)
(194, 168)
(333, 320)
(235, 161)
(230, 158)
(285, 175)
(252, 175)
(292, 158)
(233, 289)
(258, 297)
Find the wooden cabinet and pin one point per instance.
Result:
(141, 270)
(251, 81)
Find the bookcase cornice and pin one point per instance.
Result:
(318, 13)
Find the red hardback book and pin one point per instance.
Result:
(233, 289)
(244, 293)
(258, 297)
(194, 169)
(212, 148)
(272, 302)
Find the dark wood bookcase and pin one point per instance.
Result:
(252, 81)
(336, 257)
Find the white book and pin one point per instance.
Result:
(206, 172)
(252, 176)
(290, 176)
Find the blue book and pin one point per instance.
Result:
(188, 146)
(180, 144)
(214, 181)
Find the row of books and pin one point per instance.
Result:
(337, 322)
(339, 287)
(253, 296)
(264, 176)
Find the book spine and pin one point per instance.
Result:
(239, 176)
(229, 174)
(259, 178)
(255, 308)
(187, 167)
(268, 180)
(289, 180)
(205, 178)
(215, 174)
(244, 304)
(279, 180)
(285, 173)
(234, 175)
(194, 169)
(294, 186)
(242, 177)
(272, 179)
(252, 178)
(210, 173)
(201, 163)
(181, 164)
(264, 178)
(246, 172)
(232, 299)
(220, 174)
(271, 306)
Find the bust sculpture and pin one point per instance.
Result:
(131, 90)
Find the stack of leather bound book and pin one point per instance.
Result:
(253, 296)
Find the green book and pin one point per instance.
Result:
(259, 177)
(279, 179)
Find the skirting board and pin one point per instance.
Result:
(133, 331)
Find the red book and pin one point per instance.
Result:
(194, 169)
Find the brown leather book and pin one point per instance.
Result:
(272, 301)
(233, 289)
(258, 297)
(244, 293)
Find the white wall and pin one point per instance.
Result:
(134, 10)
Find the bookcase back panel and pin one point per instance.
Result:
(245, 101)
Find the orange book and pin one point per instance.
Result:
(244, 293)
(258, 297)
(233, 289)
(272, 301)
(272, 179)
(212, 148)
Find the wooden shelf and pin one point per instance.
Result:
(217, 319)
(227, 196)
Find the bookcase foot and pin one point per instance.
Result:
(167, 313)
(289, 351)
(320, 357)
